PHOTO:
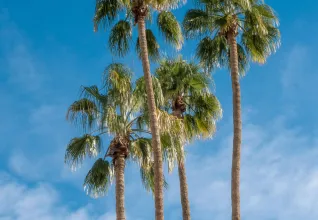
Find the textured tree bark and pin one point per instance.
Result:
(184, 191)
(158, 169)
(183, 180)
(120, 187)
(237, 122)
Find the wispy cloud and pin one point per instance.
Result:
(279, 175)
(20, 202)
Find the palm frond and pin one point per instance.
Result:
(170, 28)
(81, 147)
(213, 53)
(106, 12)
(83, 112)
(119, 38)
(140, 151)
(196, 23)
(99, 178)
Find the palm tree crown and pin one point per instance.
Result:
(251, 21)
(186, 91)
(115, 113)
(127, 12)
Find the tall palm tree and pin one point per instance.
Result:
(137, 12)
(186, 91)
(114, 112)
(236, 32)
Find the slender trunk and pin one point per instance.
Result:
(120, 187)
(236, 157)
(158, 171)
(184, 191)
(183, 180)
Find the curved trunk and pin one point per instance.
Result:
(236, 157)
(158, 171)
(184, 191)
(120, 187)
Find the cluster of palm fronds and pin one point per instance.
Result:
(151, 120)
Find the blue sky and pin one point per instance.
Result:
(48, 50)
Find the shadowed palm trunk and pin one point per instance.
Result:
(120, 187)
(158, 169)
(236, 157)
(183, 181)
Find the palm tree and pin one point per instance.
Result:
(224, 23)
(187, 96)
(115, 113)
(137, 12)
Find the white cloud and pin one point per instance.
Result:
(20, 202)
(279, 178)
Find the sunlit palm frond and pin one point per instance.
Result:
(93, 94)
(117, 77)
(172, 150)
(261, 46)
(170, 28)
(140, 151)
(152, 44)
(83, 112)
(106, 12)
(196, 23)
(99, 178)
(140, 93)
(79, 148)
(120, 38)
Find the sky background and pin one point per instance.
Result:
(48, 50)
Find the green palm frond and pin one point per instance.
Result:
(93, 94)
(117, 77)
(83, 112)
(212, 53)
(106, 12)
(140, 151)
(99, 178)
(152, 44)
(120, 37)
(170, 28)
(79, 148)
(172, 150)
(148, 178)
(196, 23)
(140, 94)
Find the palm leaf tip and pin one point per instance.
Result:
(119, 38)
(105, 12)
(99, 178)
(170, 28)
(83, 111)
(79, 148)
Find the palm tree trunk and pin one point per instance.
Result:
(120, 187)
(183, 180)
(236, 157)
(184, 191)
(158, 169)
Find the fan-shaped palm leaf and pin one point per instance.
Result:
(79, 148)
(170, 28)
(99, 178)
